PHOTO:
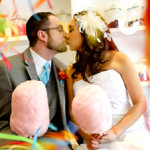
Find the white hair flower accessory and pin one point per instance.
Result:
(90, 22)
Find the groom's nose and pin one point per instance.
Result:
(67, 36)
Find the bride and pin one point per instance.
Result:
(98, 57)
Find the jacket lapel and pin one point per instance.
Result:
(30, 66)
(61, 94)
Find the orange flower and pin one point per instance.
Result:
(62, 75)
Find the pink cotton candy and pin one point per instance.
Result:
(30, 109)
(92, 109)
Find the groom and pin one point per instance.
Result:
(46, 38)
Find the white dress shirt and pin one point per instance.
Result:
(39, 62)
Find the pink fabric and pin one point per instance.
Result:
(92, 110)
(29, 109)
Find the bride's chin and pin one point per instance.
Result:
(71, 48)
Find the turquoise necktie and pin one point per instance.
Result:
(44, 77)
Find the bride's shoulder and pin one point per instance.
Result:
(121, 61)
(120, 57)
(116, 57)
(70, 69)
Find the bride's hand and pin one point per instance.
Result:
(93, 141)
(109, 135)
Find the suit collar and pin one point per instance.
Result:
(30, 66)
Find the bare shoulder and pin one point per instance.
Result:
(70, 69)
(121, 61)
(121, 57)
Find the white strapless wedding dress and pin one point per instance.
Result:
(136, 137)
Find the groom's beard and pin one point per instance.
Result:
(60, 47)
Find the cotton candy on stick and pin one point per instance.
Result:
(92, 109)
(30, 109)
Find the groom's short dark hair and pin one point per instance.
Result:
(35, 23)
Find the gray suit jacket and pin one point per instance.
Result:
(21, 71)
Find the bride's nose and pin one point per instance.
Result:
(67, 36)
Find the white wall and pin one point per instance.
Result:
(133, 46)
(25, 11)
(102, 5)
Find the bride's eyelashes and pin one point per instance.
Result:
(70, 30)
